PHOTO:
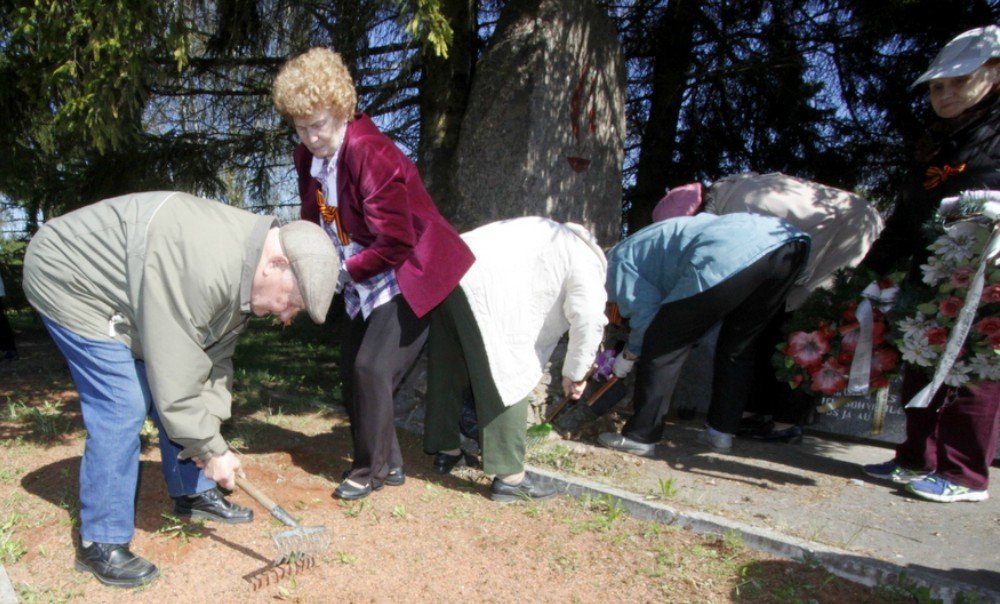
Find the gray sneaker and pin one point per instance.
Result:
(618, 442)
(719, 441)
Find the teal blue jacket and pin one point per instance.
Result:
(677, 258)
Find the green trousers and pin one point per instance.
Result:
(456, 361)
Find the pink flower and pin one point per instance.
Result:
(936, 336)
(851, 334)
(962, 276)
(991, 294)
(807, 348)
(988, 326)
(829, 378)
(949, 307)
(884, 360)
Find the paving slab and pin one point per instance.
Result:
(801, 500)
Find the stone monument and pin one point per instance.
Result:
(544, 131)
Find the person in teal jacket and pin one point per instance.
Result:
(674, 280)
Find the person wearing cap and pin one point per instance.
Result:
(495, 334)
(676, 279)
(145, 295)
(401, 257)
(950, 444)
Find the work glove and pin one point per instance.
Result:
(622, 366)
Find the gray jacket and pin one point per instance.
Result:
(167, 274)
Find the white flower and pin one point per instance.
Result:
(912, 326)
(934, 271)
(985, 366)
(960, 243)
(917, 351)
(959, 374)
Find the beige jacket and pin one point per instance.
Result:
(167, 274)
(842, 225)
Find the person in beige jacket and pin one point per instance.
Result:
(842, 227)
(145, 295)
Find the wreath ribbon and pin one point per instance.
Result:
(935, 176)
(859, 381)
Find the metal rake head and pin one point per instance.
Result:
(301, 542)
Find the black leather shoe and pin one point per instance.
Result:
(114, 564)
(445, 463)
(792, 434)
(525, 491)
(754, 424)
(396, 477)
(349, 492)
(211, 505)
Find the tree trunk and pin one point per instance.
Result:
(672, 61)
(444, 95)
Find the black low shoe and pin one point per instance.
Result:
(211, 505)
(792, 434)
(445, 463)
(349, 492)
(526, 490)
(113, 564)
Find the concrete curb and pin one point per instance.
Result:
(849, 565)
(7, 594)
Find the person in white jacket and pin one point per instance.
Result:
(533, 280)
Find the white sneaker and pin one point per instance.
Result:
(618, 442)
(719, 441)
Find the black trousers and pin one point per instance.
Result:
(376, 353)
(768, 394)
(6, 333)
(744, 304)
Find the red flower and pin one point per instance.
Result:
(886, 283)
(851, 334)
(991, 294)
(807, 348)
(988, 326)
(994, 339)
(962, 276)
(796, 380)
(829, 378)
(848, 313)
(949, 307)
(936, 336)
(884, 360)
(880, 382)
(845, 357)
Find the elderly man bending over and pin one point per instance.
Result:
(145, 295)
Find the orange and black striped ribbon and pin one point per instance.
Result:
(935, 176)
(331, 214)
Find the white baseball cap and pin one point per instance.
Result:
(965, 54)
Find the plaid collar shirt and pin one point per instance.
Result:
(364, 296)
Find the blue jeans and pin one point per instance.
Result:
(115, 400)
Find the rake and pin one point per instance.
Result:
(295, 543)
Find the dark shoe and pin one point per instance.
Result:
(445, 463)
(755, 424)
(114, 564)
(792, 434)
(211, 505)
(396, 477)
(349, 492)
(525, 491)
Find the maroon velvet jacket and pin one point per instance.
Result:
(386, 209)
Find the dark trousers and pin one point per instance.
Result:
(768, 394)
(6, 333)
(375, 356)
(956, 435)
(456, 362)
(744, 303)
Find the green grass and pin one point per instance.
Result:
(175, 528)
(11, 548)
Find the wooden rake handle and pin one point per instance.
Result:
(268, 503)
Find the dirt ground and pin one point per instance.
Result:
(433, 539)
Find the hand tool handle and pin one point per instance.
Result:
(266, 501)
(600, 391)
